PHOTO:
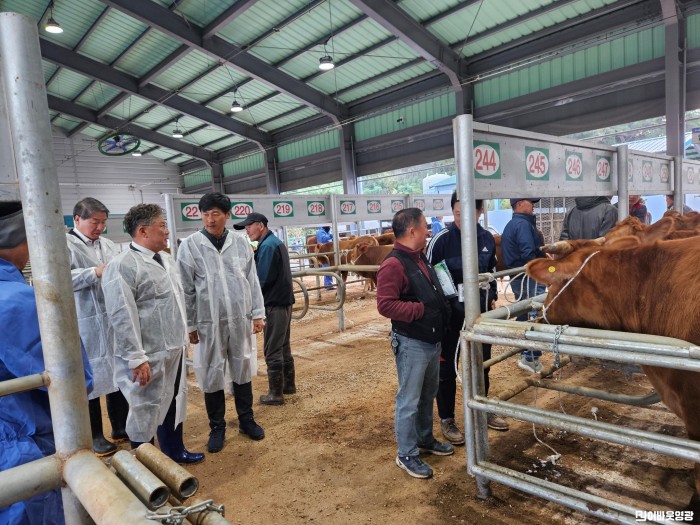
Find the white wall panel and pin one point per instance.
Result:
(119, 182)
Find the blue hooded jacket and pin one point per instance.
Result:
(521, 242)
(26, 432)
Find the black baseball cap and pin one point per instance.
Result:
(513, 202)
(250, 219)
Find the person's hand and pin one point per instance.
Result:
(258, 325)
(99, 269)
(493, 304)
(194, 337)
(142, 374)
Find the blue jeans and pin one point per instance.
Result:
(533, 288)
(327, 279)
(418, 368)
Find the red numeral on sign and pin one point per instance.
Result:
(191, 211)
(486, 160)
(573, 166)
(240, 210)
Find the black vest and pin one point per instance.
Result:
(436, 318)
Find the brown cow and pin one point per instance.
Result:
(345, 247)
(366, 255)
(385, 239)
(639, 288)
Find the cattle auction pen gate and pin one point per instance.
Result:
(283, 211)
(512, 163)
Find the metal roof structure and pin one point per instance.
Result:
(658, 145)
(403, 69)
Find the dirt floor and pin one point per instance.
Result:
(328, 455)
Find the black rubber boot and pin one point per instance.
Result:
(117, 410)
(274, 396)
(172, 445)
(216, 410)
(100, 445)
(243, 395)
(289, 383)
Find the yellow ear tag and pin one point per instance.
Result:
(551, 269)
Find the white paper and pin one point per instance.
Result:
(448, 285)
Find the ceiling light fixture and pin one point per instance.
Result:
(236, 107)
(177, 132)
(325, 63)
(51, 25)
(136, 153)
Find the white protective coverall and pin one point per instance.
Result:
(223, 296)
(93, 324)
(146, 309)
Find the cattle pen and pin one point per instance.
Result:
(605, 173)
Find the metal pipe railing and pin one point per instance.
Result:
(22, 82)
(28, 480)
(181, 483)
(603, 395)
(22, 384)
(641, 439)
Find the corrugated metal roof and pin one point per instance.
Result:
(286, 34)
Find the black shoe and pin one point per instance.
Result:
(251, 429)
(216, 439)
(102, 447)
(185, 457)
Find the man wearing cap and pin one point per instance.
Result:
(275, 275)
(26, 432)
(520, 244)
(224, 308)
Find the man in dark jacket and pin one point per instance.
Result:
(447, 246)
(409, 293)
(275, 275)
(520, 244)
(592, 217)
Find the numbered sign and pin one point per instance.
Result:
(438, 204)
(374, 206)
(316, 208)
(487, 160)
(283, 208)
(690, 175)
(665, 170)
(602, 169)
(574, 165)
(190, 211)
(646, 171)
(537, 163)
(630, 171)
(240, 210)
(347, 207)
(397, 205)
(420, 204)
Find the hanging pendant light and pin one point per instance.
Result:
(177, 132)
(51, 25)
(325, 63)
(236, 107)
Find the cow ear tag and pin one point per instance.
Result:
(551, 269)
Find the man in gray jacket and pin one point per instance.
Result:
(592, 217)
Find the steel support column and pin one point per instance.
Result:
(217, 177)
(675, 99)
(272, 176)
(346, 140)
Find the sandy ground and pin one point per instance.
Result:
(328, 455)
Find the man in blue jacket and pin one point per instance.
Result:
(275, 275)
(323, 234)
(520, 244)
(26, 432)
(447, 246)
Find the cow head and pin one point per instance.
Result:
(628, 226)
(562, 248)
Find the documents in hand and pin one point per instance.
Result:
(448, 285)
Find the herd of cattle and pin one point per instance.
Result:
(637, 278)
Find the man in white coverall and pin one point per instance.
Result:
(146, 308)
(224, 307)
(89, 253)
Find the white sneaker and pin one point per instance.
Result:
(531, 367)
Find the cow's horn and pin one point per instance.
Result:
(558, 248)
